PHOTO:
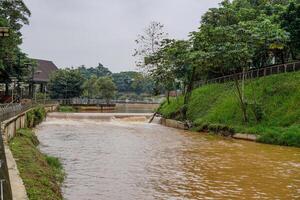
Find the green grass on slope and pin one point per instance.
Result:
(275, 99)
(41, 174)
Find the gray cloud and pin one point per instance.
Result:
(75, 32)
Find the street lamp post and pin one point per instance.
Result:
(13, 80)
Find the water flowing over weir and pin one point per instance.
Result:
(121, 156)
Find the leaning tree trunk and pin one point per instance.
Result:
(188, 93)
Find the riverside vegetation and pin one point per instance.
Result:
(232, 38)
(273, 109)
(41, 174)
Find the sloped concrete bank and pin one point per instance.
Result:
(8, 130)
(184, 126)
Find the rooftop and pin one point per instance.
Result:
(43, 70)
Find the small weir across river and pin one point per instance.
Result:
(113, 157)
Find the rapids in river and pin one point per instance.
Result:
(119, 158)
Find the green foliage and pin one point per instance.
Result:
(91, 87)
(131, 81)
(27, 133)
(238, 34)
(171, 110)
(65, 84)
(290, 21)
(66, 109)
(107, 88)
(35, 116)
(287, 136)
(99, 71)
(57, 168)
(102, 87)
(42, 175)
(13, 14)
(273, 107)
(41, 96)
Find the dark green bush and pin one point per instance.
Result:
(66, 109)
(35, 116)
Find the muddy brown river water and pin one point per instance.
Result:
(123, 159)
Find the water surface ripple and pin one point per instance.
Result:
(120, 159)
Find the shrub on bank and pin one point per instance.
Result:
(41, 174)
(66, 109)
(273, 108)
(35, 116)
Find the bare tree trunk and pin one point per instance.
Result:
(168, 96)
(6, 89)
(242, 102)
(190, 87)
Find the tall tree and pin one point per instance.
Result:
(107, 88)
(65, 84)
(13, 14)
(149, 43)
(99, 71)
(90, 87)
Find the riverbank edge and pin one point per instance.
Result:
(184, 126)
(9, 129)
(41, 175)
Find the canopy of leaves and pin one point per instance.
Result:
(13, 14)
(99, 71)
(65, 83)
(107, 88)
(132, 82)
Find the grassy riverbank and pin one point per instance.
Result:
(41, 174)
(275, 100)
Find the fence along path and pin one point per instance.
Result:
(254, 73)
(7, 111)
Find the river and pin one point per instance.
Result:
(129, 159)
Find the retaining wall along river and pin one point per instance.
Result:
(8, 131)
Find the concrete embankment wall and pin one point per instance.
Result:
(173, 124)
(8, 130)
(180, 125)
(10, 126)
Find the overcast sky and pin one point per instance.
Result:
(77, 32)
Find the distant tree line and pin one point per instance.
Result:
(98, 82)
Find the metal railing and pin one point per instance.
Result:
(8, 111)
(12, 110)
(253, 73)
(86, 101)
